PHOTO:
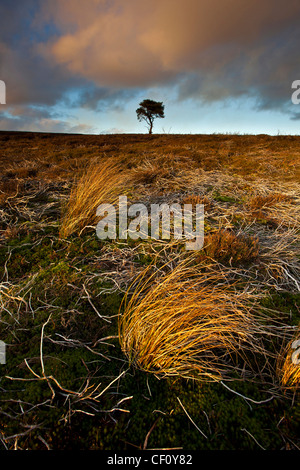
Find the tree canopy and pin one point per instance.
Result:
(149, 110)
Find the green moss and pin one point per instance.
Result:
(223, 198)
(286, 302)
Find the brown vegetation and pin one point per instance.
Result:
(225, 246)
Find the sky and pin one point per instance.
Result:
(218, 66)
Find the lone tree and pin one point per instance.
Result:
(149, 110)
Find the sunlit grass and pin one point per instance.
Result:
(191, 325)
(101, 183)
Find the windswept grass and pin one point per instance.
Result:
(101, 183)
(193, 325)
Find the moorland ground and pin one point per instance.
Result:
(86, 370)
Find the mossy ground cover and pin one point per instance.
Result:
(66, 383)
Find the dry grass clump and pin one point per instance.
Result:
(195, 199)
(289, 363)
(264, 208)
(260, 202)
(166, 172)
(191, 325)
(225, 246)
(279, 256)
(101, 183)
(151, 172)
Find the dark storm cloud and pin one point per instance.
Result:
(33, 84)
(230, 47)
(265, 72)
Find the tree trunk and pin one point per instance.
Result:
(151, 127)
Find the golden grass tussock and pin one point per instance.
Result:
(191, 325)
(289, 363)
(102, 182)
(225, 246)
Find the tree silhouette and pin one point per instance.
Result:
(149, 110)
